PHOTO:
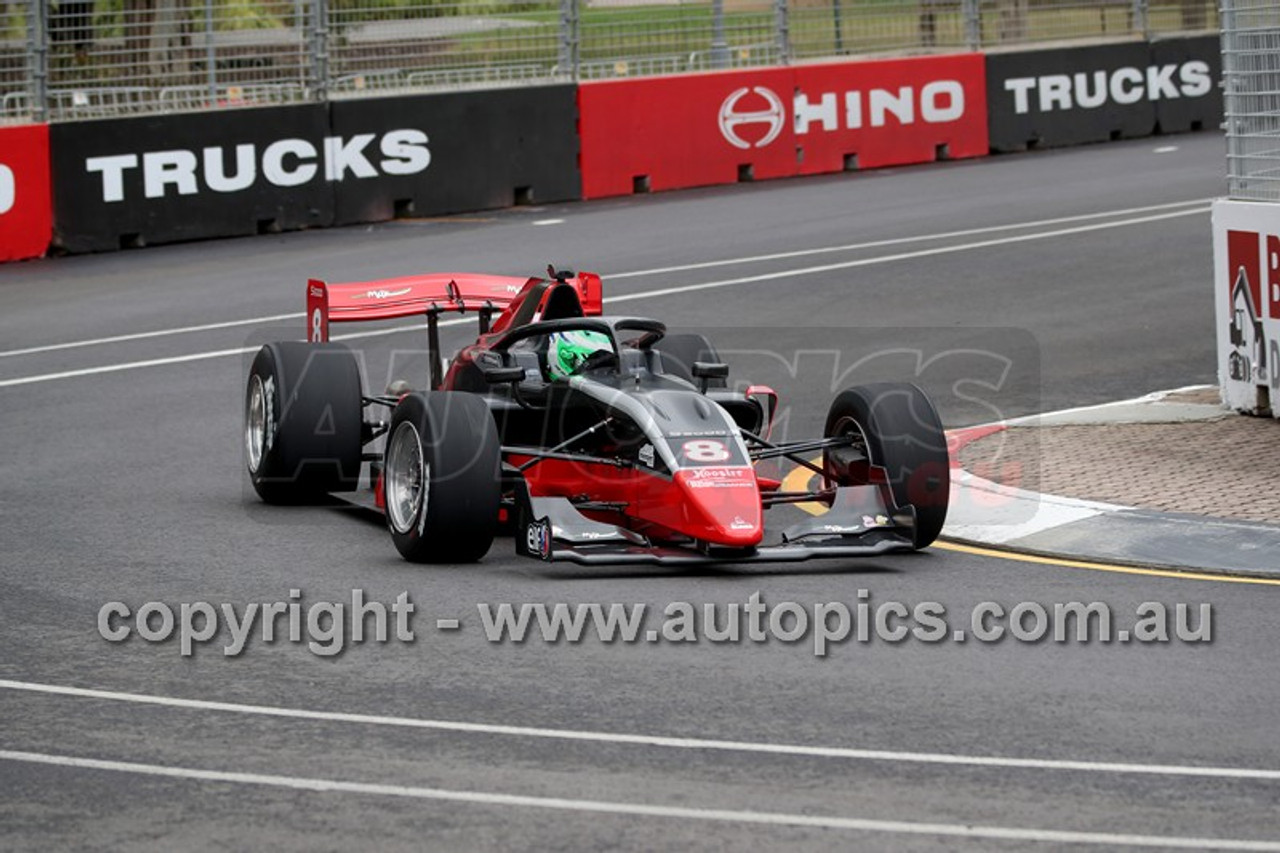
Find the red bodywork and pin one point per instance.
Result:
(415, 295)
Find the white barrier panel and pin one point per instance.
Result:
(1246, 278)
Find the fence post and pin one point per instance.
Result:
(719, 45)
(569, 33)
(1141, 23)
(318, 44)
(38, 50)
(1230, 85)
(210, 55)
(782, 31)
(972, 12)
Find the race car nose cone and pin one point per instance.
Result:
(722, 505)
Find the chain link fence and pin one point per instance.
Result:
(1251, 98)
(63, 60)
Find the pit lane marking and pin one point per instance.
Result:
(227, 324)
(848, 753)
(647, 294)
(566, 804)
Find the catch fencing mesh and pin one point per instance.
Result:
(1251, 98)
(62, 60)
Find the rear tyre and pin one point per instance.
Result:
(898, 429)
(679, 352)
(303, 422)
(441, 476)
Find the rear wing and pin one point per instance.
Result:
(431, 295)
(514, 300)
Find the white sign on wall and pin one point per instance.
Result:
(1246, 278)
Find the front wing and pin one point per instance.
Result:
(858, 524)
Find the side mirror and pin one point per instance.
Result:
(705, 371)
(500, 375)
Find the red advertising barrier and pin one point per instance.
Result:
(26, 212)
(722, 127)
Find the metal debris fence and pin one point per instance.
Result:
(1251, 98)
(62, 60)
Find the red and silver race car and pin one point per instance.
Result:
(592, 438)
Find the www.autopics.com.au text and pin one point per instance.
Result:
(330, 627)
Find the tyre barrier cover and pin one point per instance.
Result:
(722, 127)
(461, 151)
(159, 179)
(26, 218)
(1077, 95)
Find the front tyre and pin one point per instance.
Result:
(441, 477)
(303, 422)
(896, 427)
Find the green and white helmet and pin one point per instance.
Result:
(568, 350)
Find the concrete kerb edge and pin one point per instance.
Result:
(966, 485)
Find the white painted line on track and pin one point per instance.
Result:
(124, 366)
(159, 333)
(565, 804)
(904, 256)
(201, 356)
(896, 241)
(753, 259)
(1242, 773)
(651, 294)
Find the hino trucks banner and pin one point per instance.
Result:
(25, 218)
(1071, 96)
(138, 181)
(722, 127)
(159, 179)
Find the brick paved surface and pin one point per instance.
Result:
(1228, 467)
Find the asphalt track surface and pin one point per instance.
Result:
(124, 482)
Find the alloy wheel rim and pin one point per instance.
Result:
(406, 478)
(255, 423)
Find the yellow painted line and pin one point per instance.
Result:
(799, 478)
(1100, 567)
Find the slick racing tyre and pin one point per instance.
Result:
(679, 352)
(898, 429)
(441, 477)
(303, 422)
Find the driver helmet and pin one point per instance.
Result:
(566, 351)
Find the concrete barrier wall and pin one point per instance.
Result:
(156, 179)
(1078, 95)
(26, 218)
(121, 183)
(670, 132)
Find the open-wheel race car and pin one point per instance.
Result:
(592, 438)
